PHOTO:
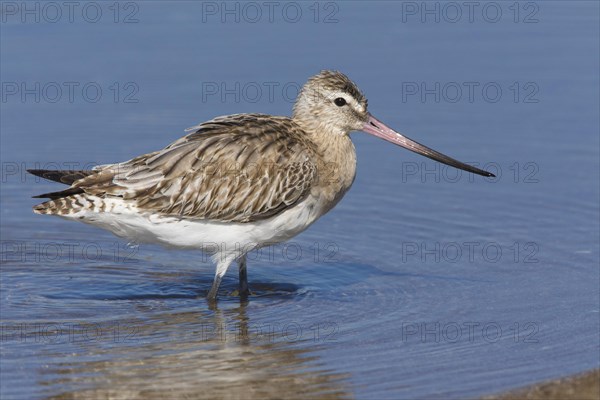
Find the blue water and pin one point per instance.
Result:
(420, 284)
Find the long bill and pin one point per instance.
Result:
(379, 129)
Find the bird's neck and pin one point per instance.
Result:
(316, 127)
(336, 163)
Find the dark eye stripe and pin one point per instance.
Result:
(340, 101)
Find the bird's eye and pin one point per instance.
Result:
(340, 101)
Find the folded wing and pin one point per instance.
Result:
(238, 168)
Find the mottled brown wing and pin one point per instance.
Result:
(239, 168)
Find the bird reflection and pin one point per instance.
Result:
(208, 353)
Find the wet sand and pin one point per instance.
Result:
(584, 386)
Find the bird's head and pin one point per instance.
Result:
(330, 103)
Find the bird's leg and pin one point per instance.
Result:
(244, 291)
(222, 266)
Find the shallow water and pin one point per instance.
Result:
(419, 284)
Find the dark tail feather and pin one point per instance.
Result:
(58, 195)
(62, 176)
(68, 177)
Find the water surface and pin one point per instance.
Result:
(420, 284)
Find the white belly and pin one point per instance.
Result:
(128, 222)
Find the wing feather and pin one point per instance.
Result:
(239, 168)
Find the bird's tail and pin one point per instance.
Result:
(60, 200)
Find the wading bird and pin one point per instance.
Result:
(241, 181)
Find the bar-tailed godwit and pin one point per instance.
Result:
(237, 182)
